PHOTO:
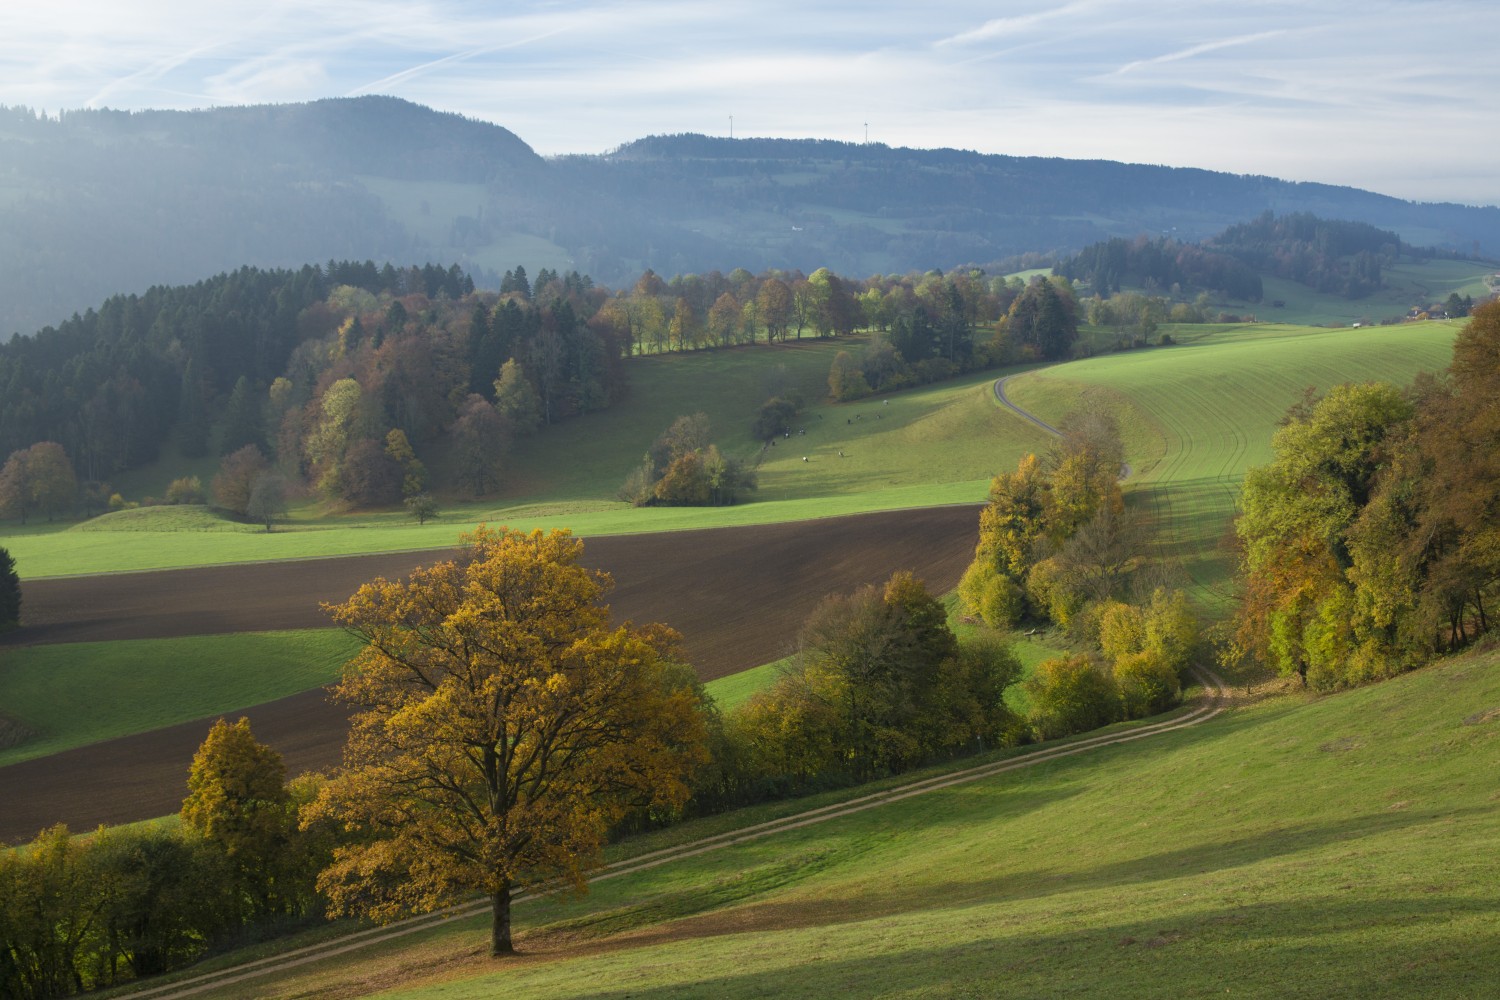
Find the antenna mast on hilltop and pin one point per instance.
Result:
(731, 126)
(867, 133)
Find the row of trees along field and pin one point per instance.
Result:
(368, 382)
(1371, 544)
(505, 729)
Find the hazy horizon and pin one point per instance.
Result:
(1387, 96)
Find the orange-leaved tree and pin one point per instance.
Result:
(504, 728)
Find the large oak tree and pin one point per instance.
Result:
(504, 728)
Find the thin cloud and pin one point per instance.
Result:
(1002, 27)
(1167, 81)
(395, 79)
(1198, 50)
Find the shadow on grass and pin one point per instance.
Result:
(1321, 949)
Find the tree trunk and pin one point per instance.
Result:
(500, 924)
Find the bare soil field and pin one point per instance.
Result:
(738, 595)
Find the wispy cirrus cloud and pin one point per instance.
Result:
(1317, 90)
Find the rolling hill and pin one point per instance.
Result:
(195, 193)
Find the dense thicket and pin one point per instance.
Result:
(880, 684)
(1369, 544)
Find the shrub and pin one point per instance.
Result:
(1147, 683)
(1071, 695)
(991, 596)
(188, 489)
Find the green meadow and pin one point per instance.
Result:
(1292, 846)
(1334, 847)
(1196, 416)
(1407, 284)
(933, 445)
(75, 694)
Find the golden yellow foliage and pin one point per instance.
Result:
(505, 727)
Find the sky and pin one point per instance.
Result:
(1397, 97)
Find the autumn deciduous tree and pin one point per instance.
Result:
(235, 482)
(1297, 515)
(775, 303)
(516, 398)
(267, 498)
(481, 438)
(504, 727)
(1071, 694)
(238, 802)
(37, 478)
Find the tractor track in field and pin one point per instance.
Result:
(1005, 401)
(1212, 703)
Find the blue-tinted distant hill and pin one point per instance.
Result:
(101, 202)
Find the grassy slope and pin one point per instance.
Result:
(1196, 416)
(1336, 847)
(81, 693)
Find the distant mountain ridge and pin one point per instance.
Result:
(94, 203)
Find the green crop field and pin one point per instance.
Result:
(76, 694)
(1340, 847)
(1196, 416)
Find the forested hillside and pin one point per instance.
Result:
(94, 203)
(371, 384)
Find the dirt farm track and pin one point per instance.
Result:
(737, 595)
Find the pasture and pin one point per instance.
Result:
(1196, 416)
(1408, 283)
(1177, 862)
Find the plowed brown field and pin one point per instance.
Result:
(737, 595)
